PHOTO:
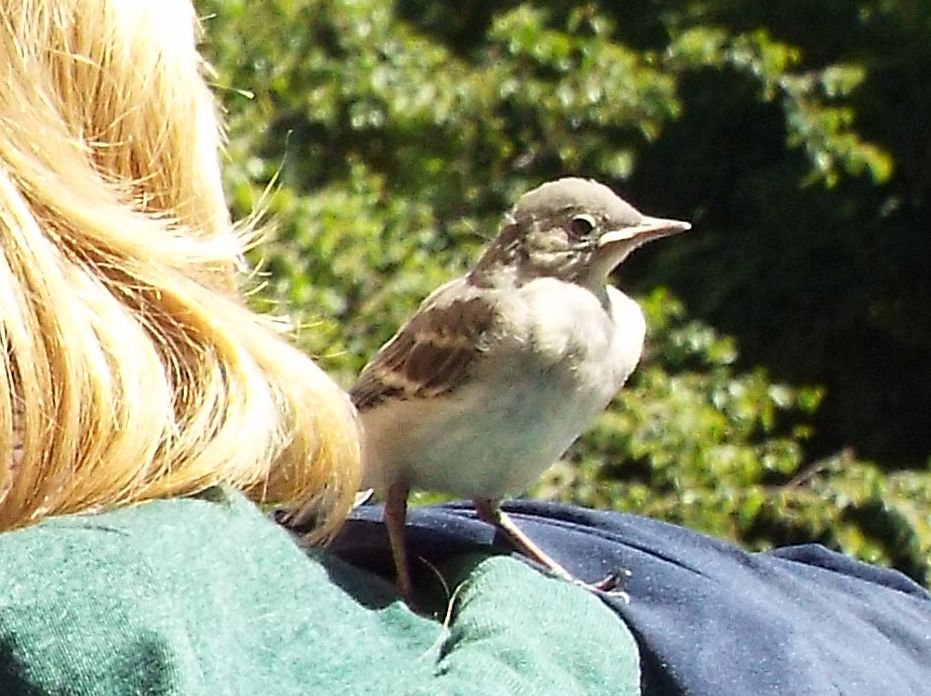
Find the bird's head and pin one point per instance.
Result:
(576, 230)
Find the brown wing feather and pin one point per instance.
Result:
(430, 355)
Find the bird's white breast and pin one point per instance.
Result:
(545, 378)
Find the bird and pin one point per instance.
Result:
(500, 370)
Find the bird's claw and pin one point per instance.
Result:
(609, 585)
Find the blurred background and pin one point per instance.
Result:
(785, 393)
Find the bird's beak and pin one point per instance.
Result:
(649, 228)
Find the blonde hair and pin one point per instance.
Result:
(131, 368)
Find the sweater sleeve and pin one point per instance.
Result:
(202, 596)
(521, 633)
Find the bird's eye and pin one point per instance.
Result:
(581, 225)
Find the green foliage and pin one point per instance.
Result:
(384, 140)
(815, 121)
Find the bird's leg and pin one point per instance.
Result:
(395, 516)
(490, 511)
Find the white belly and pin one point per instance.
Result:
(520, 411)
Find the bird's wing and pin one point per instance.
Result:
(430, 355)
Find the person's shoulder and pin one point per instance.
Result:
(205, 595)
(136, 543)
(170, 596)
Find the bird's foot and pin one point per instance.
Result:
(610, 585)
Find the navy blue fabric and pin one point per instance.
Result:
(709, 618)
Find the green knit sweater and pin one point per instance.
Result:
(205, 596)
